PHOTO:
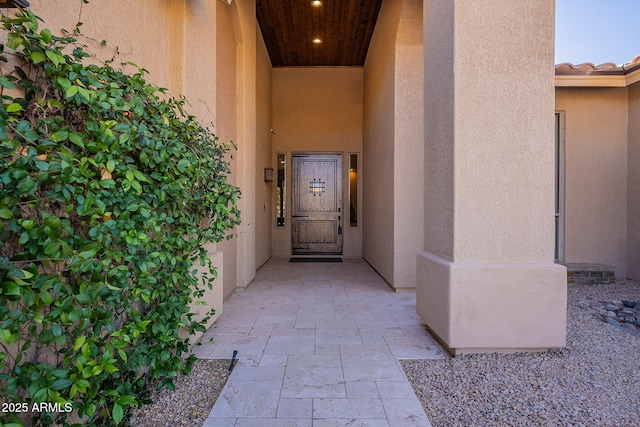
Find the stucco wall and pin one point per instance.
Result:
(133, 27)
(439, 126)
(408, 145)
(245, 29)
(503, 169)
(265, 199)
(633, 185)
(394, 145)
(378, 197)
(595, 138)
(317, 109)
(227, 118)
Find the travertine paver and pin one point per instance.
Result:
(318, 346)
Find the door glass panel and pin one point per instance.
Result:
(280, 190)
(353, 189)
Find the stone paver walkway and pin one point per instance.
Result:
(318, 345)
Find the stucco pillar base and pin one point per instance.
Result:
(492, 307)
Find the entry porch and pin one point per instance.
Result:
(319, 343)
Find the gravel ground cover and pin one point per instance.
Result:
(189, 405)
(594, 381)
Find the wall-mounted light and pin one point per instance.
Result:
(317, 40)
(316, 3)
(14, 3)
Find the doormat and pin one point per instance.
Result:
(305, 259)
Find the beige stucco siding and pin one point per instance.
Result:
(317, 109)
(143, 32)
(503, 172)
(265, 191)
(379, 129)
(439, 87)
(595, 215)
(394, 144)
(227, 119)
(633, 185)
(409, 145)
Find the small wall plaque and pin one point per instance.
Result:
(268, 175)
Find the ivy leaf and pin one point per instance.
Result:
(46, 35)
(76, 138)
(60, 136)
(14, 41)
(4, 81)
(79, 342)
(71, 91)
(37, 57)
(52, 249)
(54, 57)
(64, 82)
(117, 413)
(25, 185)
(5, 213)
(46, 297)
(61, 384)
(14, 107)
(6, 336)
(11, 288)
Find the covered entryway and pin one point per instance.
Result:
(317, 204)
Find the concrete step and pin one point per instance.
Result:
(590, 273)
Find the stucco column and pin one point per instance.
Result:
(486, 279)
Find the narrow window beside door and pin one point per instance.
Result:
(280, 189)
(559, 187)
(353, 189)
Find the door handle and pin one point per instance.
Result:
(300, 216)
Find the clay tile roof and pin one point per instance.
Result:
(588, 68)
(608, 68)
(633, 64)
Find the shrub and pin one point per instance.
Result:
(109, 191)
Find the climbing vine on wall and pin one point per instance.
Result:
(109, 191)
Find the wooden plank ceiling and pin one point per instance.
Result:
(344, 27)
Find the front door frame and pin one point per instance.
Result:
(297, 220)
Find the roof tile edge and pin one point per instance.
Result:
(588, 68)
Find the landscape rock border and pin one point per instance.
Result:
(191, 402)
(592, 382)
(624, 314)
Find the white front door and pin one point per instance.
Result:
(317, 203)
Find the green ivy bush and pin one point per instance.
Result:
(109, 191)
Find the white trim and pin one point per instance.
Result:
(590, 81)
(597, 80)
